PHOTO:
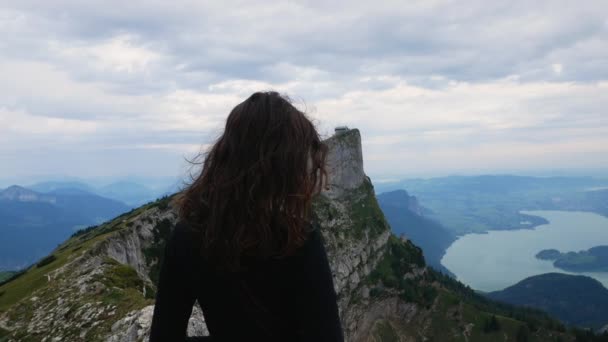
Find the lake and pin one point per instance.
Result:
(501, 258)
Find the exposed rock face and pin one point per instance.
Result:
(136, 325)
(129, 245)
(344, 162)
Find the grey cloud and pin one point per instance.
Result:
(465, 41)
(319, 50)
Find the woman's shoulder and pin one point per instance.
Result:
(184, 235)
(184, 227)
(314, 243)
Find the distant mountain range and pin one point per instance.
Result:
(53, 186)
(33, 223)
(406, 216)
(576, 300)
(476, 204)
(131, 193)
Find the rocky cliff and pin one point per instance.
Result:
(99, 284)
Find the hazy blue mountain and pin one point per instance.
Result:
(21, 194)
(494, 183)
(480, 203)
(59, 185)
(32, 223)
(89, 205)
(576, 300)
(597, 200)
(131, 193)
(406, 216)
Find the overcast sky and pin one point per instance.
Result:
(116, 88)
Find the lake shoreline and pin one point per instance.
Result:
(489, 250)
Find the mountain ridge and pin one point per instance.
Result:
(33, 223)
(99, 285)
(406, 216)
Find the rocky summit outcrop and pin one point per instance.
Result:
(100, 284)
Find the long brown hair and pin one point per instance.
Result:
(254, 192)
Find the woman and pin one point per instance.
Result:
(245, 246)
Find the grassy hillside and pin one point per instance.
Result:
(32, 227)
(36, 277)
(6, 275)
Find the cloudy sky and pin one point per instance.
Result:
(116, 88)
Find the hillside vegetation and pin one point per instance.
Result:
(576, 300)
(592, 260)
(406, 217)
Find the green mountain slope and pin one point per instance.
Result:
(6, 275)
(32, 223)
(99, 285)
(594, 259)
(576, 300)
(405, 216)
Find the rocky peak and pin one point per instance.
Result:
(21, 194)
(344, 162)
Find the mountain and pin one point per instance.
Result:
(597, 200)
(57, 185)
(32, 223)
(405, 215)
(131, 193)
(498, 183)
(17, 193)
(91, 206)
(576, 300)
(99, 285)
(127, 191)
(476, 204)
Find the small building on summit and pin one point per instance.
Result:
(341, 129)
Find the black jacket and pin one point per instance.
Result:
(289, 299)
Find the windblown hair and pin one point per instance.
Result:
(253, 196)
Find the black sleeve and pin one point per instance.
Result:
(175, 296)
(316, 300)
